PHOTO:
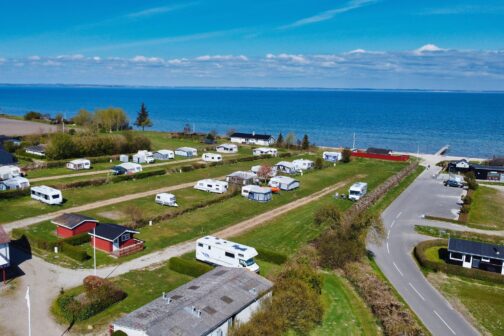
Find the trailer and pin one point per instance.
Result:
(227, 148)
(331, 156)
(286, 167)
(9, 171)
(46, 195)
(303, 164)
(357, 191)
(143, 156)
(215, 251)
(128, 168)
(211, 157)
(210, 185)
(164, 154)
(257, 193)
(265, 151)
(15, 183)
(186, 151)
(79, 164)
(284, 183)
(166, 199)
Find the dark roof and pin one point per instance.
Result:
(373, 150)
(6, 158)
(476, 248)
(111, 231)
(488, 168)
(36, 148)
(4, 237)
(251, 136)
(71, 220)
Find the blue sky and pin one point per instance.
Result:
(428, 44)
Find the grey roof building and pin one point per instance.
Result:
(473, 254)
(207, 305)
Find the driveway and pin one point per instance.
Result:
(426, 195)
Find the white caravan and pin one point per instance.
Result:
(357, 191)
(143, 156)
(211, 185)
(303, 164)
(284, 183)
(227, 148)
(8, 172)
(14, 183)
(46, 195)
(79, 164)
(264, 151)
(286, 167)
(216, 251)
(211, 157)
(186, 151)
(257, 193)
(164, 154)
(166, 199)
(331, 156)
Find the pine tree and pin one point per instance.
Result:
(280, 140)
(143, 118)
(306, 143)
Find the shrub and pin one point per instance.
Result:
(138, 176)
(319, 163)
(284, 155)
(10, 194)
(77, 239)
(75, 252)
(81, 184)
(119, 333)
(188, 267)
(346, 155)
(199, 165)
(468, 199)
(32, 115)
(465, 209)
(271, 256)
(186, 168)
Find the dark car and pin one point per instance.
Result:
(453, 183)
(118, 170)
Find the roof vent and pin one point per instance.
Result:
(253, 290)
(195, 311)
(167, 298)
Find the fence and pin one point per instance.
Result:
(138, 246)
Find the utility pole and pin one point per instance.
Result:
(353, 146)
(27, 297)
(94, 250)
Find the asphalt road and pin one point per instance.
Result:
(426, 195)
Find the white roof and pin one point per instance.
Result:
(244, 174)
(186, 149)
(257, 189)
(247, 251)
(228, 145)
(283, 179)
(164, 151)
(332, 153)
(265, 149)
(165, 194)
(9, 168)
(212, 181)
(77, 161)
(358, 185)
(17, 179)
(302, 161)
(45, 189)
(129, 165)
(286, 164)
(213, 154)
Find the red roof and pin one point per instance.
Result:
(4, 237)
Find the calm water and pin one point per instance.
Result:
(471, 123)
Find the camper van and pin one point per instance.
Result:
(14, 183)
(216, 251)
(303, 164)
(331, 156)
(357, 191)
(143, 156)
(8, 172)
(210, 185)
(227, 148)
(257, 193)
(211, 157)
(283, 182)
(264, 151)
(166, 199)
(46, 195)
(79, 164)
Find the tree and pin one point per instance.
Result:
(346, 154)
(306, 143)
(61, 146)
(290, 140)
(264, 172)
(32, 115)
(143, 119)
(230, 132)
(83, 118)
(280, 140)
(58, 118)
(319, 163)
(111, 119)
(188, 129)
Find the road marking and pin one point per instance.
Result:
(446, 324)
(397, 268)
(388, 251)
(392, 225)
(416, 291)
(388, 234)
(399, 214)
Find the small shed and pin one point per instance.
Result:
(79, 164)
(72, 224)
(242, 178)
(116, 240)
(284, 183)
(257, 193)
(164, 154)
(186, 151)
(227, 148)
(124, 158)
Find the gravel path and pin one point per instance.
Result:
(11, 127)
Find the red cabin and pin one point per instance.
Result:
(116, 240)
(70, 224)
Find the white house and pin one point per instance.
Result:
(211, 157)
(46, 195)
(4, 251)
(331, 156)
(164, 154)
(252, 139)
(8, 172)
(286, 167)
(143, 156)
(303, 164)
(211, 185)
(227, 148)
(128, 168)
(206, 306)
(38, 150)
(283, 182)
(166, 199)
(186, 151)
(264, 151)
(257, 193)
(357, 191)
(473, 254)
(14, 183)
(79, 164)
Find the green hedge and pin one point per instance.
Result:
(188, 267)
(10, 194)
(138, 176)
(77, 239)
(80, 184)
(119, 333)
(75, 252)
(271, 256)
(472, 273)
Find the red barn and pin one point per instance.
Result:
(70, 224)
(116, 240)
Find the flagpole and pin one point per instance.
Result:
(94, 249)
(27, 297)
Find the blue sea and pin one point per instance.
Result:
(471, 123)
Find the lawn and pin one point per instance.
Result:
(487, 208)
(483, 301)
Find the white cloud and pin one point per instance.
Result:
(76, 57)
(357, 51)
(299, 59)
(143, 59)
(156, 10)
(34, 58)
(222, 58)
(428, 48)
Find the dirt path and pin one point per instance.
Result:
(11, 127)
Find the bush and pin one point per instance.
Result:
(271, 256)
(284, 155)
(465, 209)
(81, 184)
(138, 176)
(77, 239)
(319, 163)
(32, 115)
(346, 155)
(186, 168)
(75, 252)
(10, 194)
(468, 199)
(188, 267)
(119, 333)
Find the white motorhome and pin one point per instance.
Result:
(264, 151)
(166, 199)
(331, 156)
(257, 193)
(14, 183)
(211, 157)
(303, 164)
(46, 195)
(211, 185)
(357, 191)
(186, 151)
(8, 172)
(284, 183)
(143, 156)
(216, 251)
(79, 164)
(164, 154)
(227, 148)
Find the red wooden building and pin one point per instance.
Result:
(70, 224)
(116, 240)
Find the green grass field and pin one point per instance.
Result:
(487, 209)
